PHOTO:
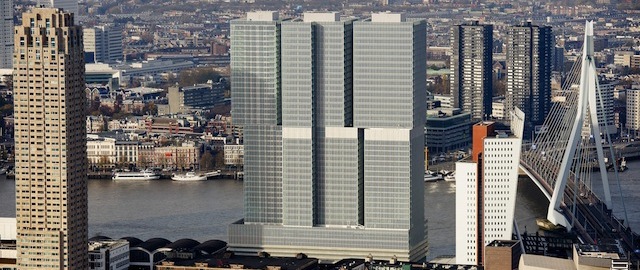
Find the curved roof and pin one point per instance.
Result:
(154, 243)
(99, 238)
(184, 243)
(211, 246)
(133, 241)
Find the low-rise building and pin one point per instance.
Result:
(128, 124)
(447, 130)
(108, 254)
(183, 156)
(230, 261)
(95, 124)
(145, 93)
(623, 58)
(101, 152)
(200, 96)
(127, 152)
(168, 126)
(102, 74)
(446, 101)
(234, 155)
(153, 68)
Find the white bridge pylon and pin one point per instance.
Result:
(588, 90)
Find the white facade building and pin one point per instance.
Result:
(70, 6)
(104, 41)
(446, 101)
(109, 255)
(101, 151)
(490, 181)
(633, 110)
(497, 109)
(233, 154)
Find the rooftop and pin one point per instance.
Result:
(104, 244)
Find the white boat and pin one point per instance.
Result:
(451, 177)
(190, 176)
(213, 173)
(136, 176)
(430, 176)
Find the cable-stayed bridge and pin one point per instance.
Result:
(561, 158)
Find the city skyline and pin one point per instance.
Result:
(327, 129)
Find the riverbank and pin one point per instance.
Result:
(106, 175)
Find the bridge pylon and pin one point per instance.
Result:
(587, 108)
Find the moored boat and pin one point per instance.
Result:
(451, 177)
(190, 176)
(430, 176)
(136, 176)
(213, 174)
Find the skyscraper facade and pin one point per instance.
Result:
(50, 142)
(104, 42)
(6, 33)
(70, 6)
(326, 103)
(529, 61)
(486, 189)
(471, 77)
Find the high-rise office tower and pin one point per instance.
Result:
(333, 112)
(529, 60)
(6, 33)
(70, 6)
(50, 142)
(486, 189)
(103, 42)
(471, 77)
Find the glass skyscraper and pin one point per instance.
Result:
(333, 112)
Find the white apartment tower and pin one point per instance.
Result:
(633, 111)
(104, 42)
(486, 190)
(70, 6)
(50, 142)
(6, 33)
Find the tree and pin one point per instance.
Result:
(150, 108)
(499, 87)
(197, 75)
(106, 110)
(104, 161)
(95, 105)
(219, 161)
(207, 162)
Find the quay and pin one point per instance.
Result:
(106, 175)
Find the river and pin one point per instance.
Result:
(202, 210)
